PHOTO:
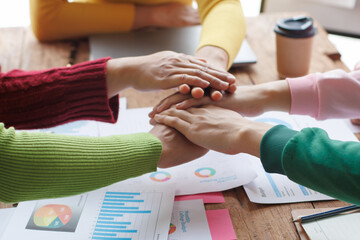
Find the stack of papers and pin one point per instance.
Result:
(118, 212)
(114, 212)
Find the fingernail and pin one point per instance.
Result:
(225, 84)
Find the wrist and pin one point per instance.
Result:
(250, 136)
(214, 56)
(276, 96)
(118, 75)
(144, 16)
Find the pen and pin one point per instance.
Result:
(326, 214)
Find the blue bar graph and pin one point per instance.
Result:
(105, 222)
(114, 230)
(117, 211)
(303, 190)
(105, 234)
(113, 204)
(121, 200)
(109, 196)
(117, 214)
(273, 185)
(106, 238)
(110, 207)
(106, 218)
(123, 193)
(111, 215)
(111, 226)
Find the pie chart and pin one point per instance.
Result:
(52, 216)
(172, 228)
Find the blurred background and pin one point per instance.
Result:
(15, 13)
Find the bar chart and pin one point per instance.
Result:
(127, 216)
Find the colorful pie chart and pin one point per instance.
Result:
(172, 228)
(52, 216)
(205, 172)
(160, 176)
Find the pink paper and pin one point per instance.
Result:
(213, 197)
(220, 224)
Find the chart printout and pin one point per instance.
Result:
(277, 188)
(112, 213)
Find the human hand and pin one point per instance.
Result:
(247, 100)
(163, 70)
(176, 149)
(216, 128)
(165, 15)
(218, 59)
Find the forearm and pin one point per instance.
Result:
(250, 137)
(40, 99)
(257, 99)
(312, 159)
(60, 19)
(223, 25)
(39, 165)
(333, 94)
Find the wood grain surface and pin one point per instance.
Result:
(20, 50)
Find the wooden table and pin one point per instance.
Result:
(19, 49)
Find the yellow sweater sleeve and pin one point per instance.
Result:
(59, 19)
(223, 25)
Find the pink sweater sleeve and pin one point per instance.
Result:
(39, 99)
(334, 94)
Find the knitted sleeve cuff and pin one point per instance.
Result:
(40, 99)
(272, 146)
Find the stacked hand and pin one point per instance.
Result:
(176, 149)
(164, 70)
(216, 128)
(247, 100)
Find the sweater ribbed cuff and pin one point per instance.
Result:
(304, 95)
(272, 146)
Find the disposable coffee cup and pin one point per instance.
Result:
(294, 37)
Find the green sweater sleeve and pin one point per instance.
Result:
(314, 160)
(40, 165)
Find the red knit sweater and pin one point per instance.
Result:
(40, 99)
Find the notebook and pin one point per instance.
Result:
(342, 226)
(148, 41)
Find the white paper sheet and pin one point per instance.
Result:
(276, 188)
(340, 227)
(354, 128)
(114, 212)
(210, 173)
(5, 217)
(189, 222)
(83, 127)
